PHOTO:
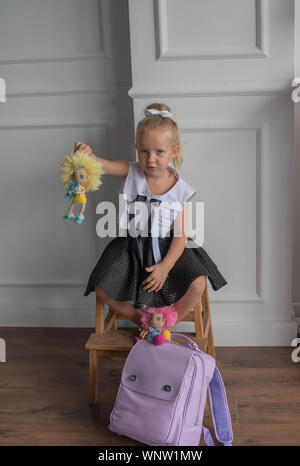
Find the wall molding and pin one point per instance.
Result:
(296, 308)
(100, 90)
(49, 125)
(88, 56)
(2, 90)
(259, 134)
(211, 90)
(99, 53)
(165, 52)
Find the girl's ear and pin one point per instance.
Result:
(175, 151)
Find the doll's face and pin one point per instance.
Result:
(80, 175)
(157, 320)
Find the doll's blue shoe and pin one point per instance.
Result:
(79, 218)
(68, 217)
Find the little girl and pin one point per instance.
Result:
(155, 269)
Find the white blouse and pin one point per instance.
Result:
(163, 213)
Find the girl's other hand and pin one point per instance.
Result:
(84, 147)
(156, 280)
(143, 334)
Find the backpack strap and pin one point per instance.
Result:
(218, 403)
(207, 437)
(220, 412)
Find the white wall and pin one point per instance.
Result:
(67, 68)
(227, 79)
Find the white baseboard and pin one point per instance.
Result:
(34, 315)
(234, 333)
(279, 333)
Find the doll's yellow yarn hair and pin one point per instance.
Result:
(92, 167)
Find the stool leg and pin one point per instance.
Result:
(207, 405)
(208, 330)
(93, 378)
(210, 343)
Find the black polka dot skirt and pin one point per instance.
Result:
(120, 271)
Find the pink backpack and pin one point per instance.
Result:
(162, 395)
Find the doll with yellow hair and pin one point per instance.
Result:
(80, 173)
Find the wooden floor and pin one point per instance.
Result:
(44, 387)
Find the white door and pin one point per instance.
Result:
(225, 70)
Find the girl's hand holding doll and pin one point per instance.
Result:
(110, 167)
(84, 147)
(156, 280)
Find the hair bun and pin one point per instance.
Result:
(159, 107)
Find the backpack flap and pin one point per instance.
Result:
(150, 386)
(155, 368)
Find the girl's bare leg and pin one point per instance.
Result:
(122, 307)
(191, 297)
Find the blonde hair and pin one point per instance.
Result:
(166, 124)
(92, 167)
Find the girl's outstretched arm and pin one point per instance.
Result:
(110, 167)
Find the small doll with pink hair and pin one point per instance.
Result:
(155, 322)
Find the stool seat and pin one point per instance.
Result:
(121, 340)
(112, 340)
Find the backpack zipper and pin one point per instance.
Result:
(203, 376)
(190, 389)
(189, 393)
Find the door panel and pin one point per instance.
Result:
(67, 69)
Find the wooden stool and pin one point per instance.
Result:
(108, 341)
